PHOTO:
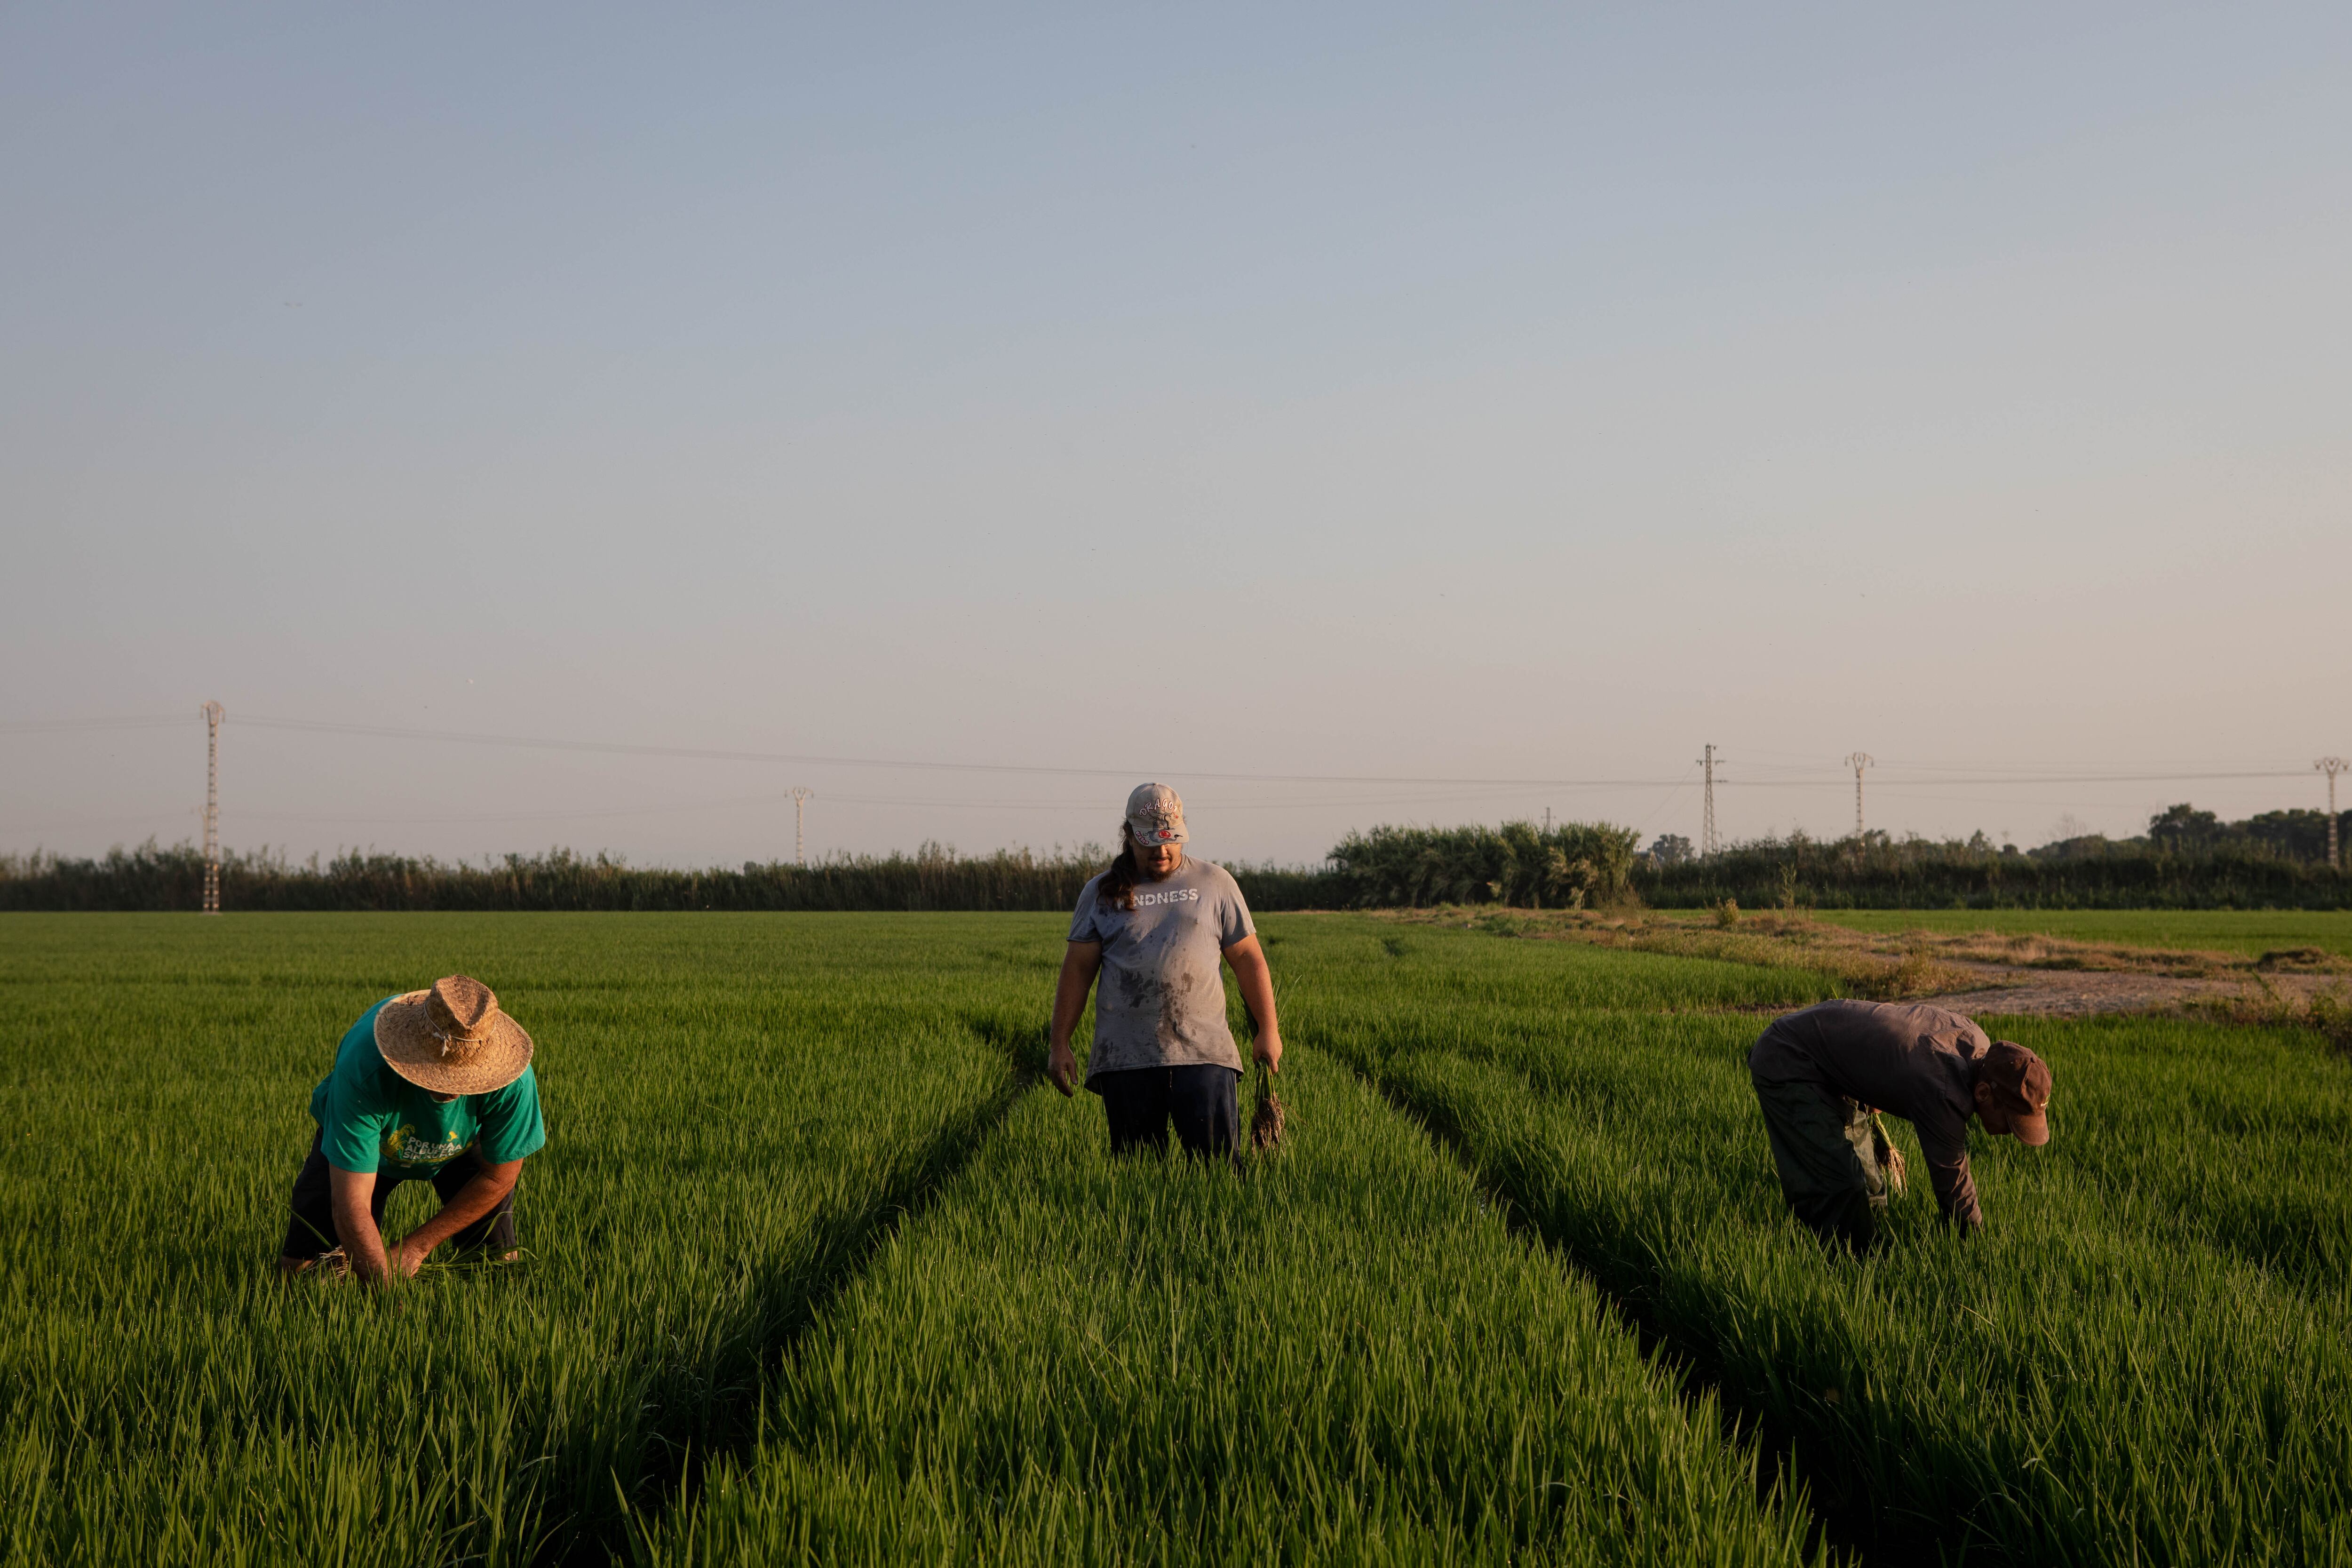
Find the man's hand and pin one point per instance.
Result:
(1269, 1049)
(1080, 963)
(470, 1202)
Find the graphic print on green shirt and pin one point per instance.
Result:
(372, 1120)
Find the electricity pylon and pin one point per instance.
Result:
(2331, 766)
(214, 713)
(801, 797)
(1857, 761)
(1707, 816)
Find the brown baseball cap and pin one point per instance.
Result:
(1155, 815)
(2021, 1082)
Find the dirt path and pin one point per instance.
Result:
(1982, 972)
(2009, 990)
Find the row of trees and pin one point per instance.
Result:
(2291, 835)
(934, 877)
(1876, 872)
(2300, 835)
(2187, 859)
(1563, 868)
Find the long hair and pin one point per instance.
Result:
(1118, 890)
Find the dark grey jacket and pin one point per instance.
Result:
(1908, 1059)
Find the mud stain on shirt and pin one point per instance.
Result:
(1162, 1001)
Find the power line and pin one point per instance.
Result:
(766, 797)
(1663, 803)
(706, 753)
(2051, 773)
(721, 754)
(59, 726)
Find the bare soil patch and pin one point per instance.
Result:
(1984, 972)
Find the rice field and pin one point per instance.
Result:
(817, 1270)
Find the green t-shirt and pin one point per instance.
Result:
(373, 1121)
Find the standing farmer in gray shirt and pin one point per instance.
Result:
(1154, 927)
(1821, 1073)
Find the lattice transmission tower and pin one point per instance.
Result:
(2331, 766)
(801, 797)
(1707, 842)
(214, 713)
(1857, 761)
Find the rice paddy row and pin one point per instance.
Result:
(1341, 1354)
(728, 1132)
(817, 1273)
(2143, 1359)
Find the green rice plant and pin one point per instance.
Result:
(1340, 965)
(816, 1273)
(2143, 1359)
(2233, 1140)
(1336, 1353)
(737, 1109)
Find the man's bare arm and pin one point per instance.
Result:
(1080, 963)
(1256, 981)
(348, 1193)
(472, 1201)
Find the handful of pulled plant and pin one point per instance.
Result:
(1266, 1120)
(1890, 1158)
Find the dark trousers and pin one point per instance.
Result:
(1201, 1100)
(311, 1233)
(1831, 1156)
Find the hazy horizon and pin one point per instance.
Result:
(1251, 401)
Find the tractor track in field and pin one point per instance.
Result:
(673, 1477)
(1852, 1534)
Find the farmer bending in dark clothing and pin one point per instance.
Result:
(435, 1086)
(1822, 1075)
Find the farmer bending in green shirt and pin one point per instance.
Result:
(435, 1086)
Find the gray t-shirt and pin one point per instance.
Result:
(1162, 1001)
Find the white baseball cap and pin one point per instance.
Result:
(1155, 815)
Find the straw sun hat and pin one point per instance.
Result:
(452, 1039)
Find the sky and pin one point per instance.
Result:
(1344, 414)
